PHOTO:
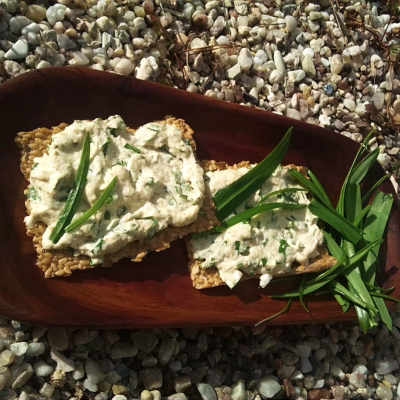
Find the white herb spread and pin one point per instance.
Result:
(159, 184)
(270, 242)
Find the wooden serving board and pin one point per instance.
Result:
(157, 292)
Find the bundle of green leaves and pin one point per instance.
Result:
(354, 234)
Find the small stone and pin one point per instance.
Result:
(124, 67)
(304, 350)
(36, 13)
(291, 113)
(241, 7)
(268, 387)
(239, 390)
(145, 70)
(166, 349)
(305, 365)
(79, 58)
(177, 396)
(19, 349)
(93, 371)
(207, 391)
(317, 394)
(197, 43)
(396, 109)
(279, 63)
(123, 350)
(58, 338)
(384, 392)
(378, 98)
(41, 368)
(329, 90)
(386, 367)
(63, 363)
(19, 50)
(17, 23)
(120, 390)
(182, 383)
(245, 59)
(349, 104)
(218, 27)
(152, 378)
(234, 72)
(291, 23)
(276, 77)
(119, 397)
(35, 349)
(7, 357)
(47, 390)
(336, 66)
(65, 42)
(308, 66)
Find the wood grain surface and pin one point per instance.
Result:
(157, 292)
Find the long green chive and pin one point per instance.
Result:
(245, 216)
(75, 194)
(376, 186)
(95, 207)
(361, 150)
(375, 224)
(361, 216)
(384, 296)
(376, 288)
(335, 220)
(278, 192)
(320, 189)
(230, 198)
(285, 310)
(321, 195)
(337, 287)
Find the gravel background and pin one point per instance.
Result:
(330, 64)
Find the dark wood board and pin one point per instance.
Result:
(157, 292)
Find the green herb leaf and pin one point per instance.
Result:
(133, 148)
(339, 288)
(75, 194)
(376, 186)
(360, 152)
(361, 216)
(98, 247)
(105, 146)
(246, 215)
(33, 195)
(335, 220)
(264, 262)
(95, 207)
(230, 198)
(278, 192)
(311, 187)
(321, 192)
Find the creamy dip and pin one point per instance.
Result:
(270, 242)
(159, 184)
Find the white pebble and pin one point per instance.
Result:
(144, 70)
(42, 368)
(349, 104)
(124, 67)
(19, 348)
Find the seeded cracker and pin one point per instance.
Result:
(60, 262)
(209, 277)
